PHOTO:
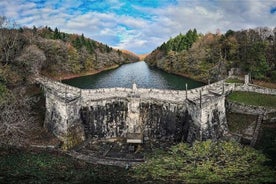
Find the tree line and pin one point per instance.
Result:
(180, 42)
(210, 56)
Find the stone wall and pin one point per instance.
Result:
(164, 121)
(74, 114)
(63, 120)
(249, 88)
(250, 133)
(213, 118)
(248, 109)
(154, 119)
(105, 119)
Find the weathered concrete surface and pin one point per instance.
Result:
(62, 119)
(105, 119)
(263, 114)
(250, 88)
(74, 115)
(248, 109)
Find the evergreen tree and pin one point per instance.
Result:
(50, 29)
(34, 29)
(180, 42)
(77, 43)
(82, 40)
(90, 47)
(21, 30)
(57, 34)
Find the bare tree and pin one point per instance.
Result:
(32, 58)
(15, 120)
(8, 39)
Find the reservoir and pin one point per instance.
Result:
(139, 73)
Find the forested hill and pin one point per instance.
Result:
(210, 56)
(26, 51)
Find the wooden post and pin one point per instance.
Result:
(66, 92)
(200, 98)
(186, 91)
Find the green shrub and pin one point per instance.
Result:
(4, 93)
(207, 162)
(273, 76)
(18, 166)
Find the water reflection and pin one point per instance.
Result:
(140, 73)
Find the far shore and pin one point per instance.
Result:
(91, 72)
(189, 76)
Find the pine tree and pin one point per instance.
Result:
(82, 39)
(57, 34)
(77, 43)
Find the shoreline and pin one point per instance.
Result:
(189, 77)
(180, 74)
(82, 74)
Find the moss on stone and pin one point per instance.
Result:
(234, 80)
(74, 137)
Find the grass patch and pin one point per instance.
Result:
(204, 162)
(234, 80)
(28, 167)
(256, 99)
(239, 122)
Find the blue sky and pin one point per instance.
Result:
(140, 25)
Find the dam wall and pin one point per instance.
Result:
(74, 114)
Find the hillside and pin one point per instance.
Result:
(127, 52)
(27, 52)
(142, 56)
(54, 53)
(210, 56)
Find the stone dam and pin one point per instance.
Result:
(138, 115)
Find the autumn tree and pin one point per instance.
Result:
(8, 39)
(31, 59)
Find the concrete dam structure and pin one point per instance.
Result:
(139, 115)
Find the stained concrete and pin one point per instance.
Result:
(74, 114)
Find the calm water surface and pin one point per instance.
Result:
(139, 72)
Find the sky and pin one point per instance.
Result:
(140, 25)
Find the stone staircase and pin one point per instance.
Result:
(257, 130)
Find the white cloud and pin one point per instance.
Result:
(142, 34)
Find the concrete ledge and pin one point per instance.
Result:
(248, 109)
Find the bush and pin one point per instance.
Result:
(273, 76)
(207, 162)
(3, 92)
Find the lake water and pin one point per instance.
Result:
(139, 72)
